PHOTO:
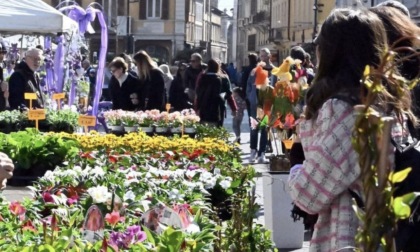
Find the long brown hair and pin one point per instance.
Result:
(144, 64)
(348, 41)
(403, 34)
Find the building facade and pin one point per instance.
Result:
(163, 28)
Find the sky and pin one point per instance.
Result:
(228, 4)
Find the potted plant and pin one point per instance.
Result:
(175, 122)
(162, 122)
(113, 120)
(65, 120)
(9, 121)
(190, 120)
(145, 121)
(130, 121)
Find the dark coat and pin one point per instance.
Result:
(210, 105)
(22, 81)
(152, 92)
(120, 95)
(177, 97)
(2, 99)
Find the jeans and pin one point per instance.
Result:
(236, 124)
(263, 139)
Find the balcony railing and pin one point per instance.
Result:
(262, 17)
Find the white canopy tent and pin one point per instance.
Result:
(33, 17)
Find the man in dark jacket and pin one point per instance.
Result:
(26, 80)
(191, 74)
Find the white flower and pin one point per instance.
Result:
(205, 176)
(69, 173)
(129, 196)
(99, 194)
(190, 173)
(175, 195)
(193, 228)
(49, 175)
(225, 184)
(129, 181)
(209, 184)
(216, 171)
(77, 169)
(97, 172)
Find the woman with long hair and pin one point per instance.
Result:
(152, 94)
(349, 40)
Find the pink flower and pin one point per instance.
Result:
(16, 208)
(72, 200)
(113, 218)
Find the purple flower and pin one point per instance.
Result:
(193, 167)
(132, 235)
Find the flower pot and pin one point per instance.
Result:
(146, 129)
(161, 129)
(130, 128)
(279, 163)
(116, 128)
(189, 130)
(176, 129)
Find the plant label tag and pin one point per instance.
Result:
(58, 96)
(158, 218)
(30, 96)
(85, 120)
(36, 114)
(93, 226)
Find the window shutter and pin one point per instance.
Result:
(165, 9)
(143, 9)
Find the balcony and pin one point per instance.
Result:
(261, 18)
(278, 35)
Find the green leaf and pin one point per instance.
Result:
(399, 176)
(401, 209)
(46, 248)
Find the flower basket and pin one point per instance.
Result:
(116, 128)
(176, 129)
(146, 129)
(161, 129)
(189, 130)
(130, 128)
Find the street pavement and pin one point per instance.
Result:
(18, 193)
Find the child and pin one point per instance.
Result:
(239, 115)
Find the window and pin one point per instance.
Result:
(199, 12)
(252, 40)
(154, 8)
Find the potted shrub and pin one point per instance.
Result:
(65, 120)
(145, 121)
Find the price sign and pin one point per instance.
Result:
(85, 120)
(58, 96)
(36, 114)
(30, 96)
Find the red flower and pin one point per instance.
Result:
(16, 208)
(87, 155)
(113, 218)
(29, 226)
(113, 159)
(47, 197)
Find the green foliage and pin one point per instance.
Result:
(29, 148)
(63, 120)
